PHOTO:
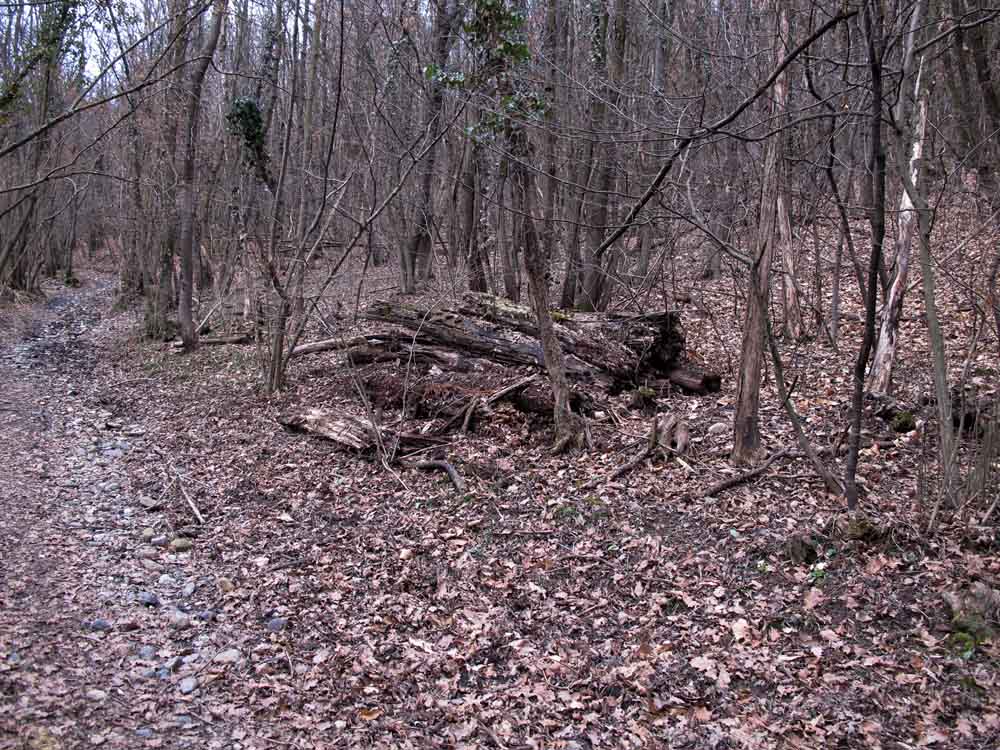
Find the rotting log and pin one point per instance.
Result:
(354, 433)
(235, 339)
(689, 381)
(375, 353)
(618, 343)
(612, 351)
(475, 337)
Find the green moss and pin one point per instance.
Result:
(962, 644)
(860, 529)
(973, 625)
(904, 421)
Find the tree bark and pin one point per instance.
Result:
(885, 351)
(746, 430)
(874, 30)
(185, 191)
(790, 283)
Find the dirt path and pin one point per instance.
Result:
(83, 604)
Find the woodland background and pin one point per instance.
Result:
(303, 193)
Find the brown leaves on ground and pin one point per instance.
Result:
(371, 605)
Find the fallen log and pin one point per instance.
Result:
(425, 355)
(612, 351)
(355, 433)
(694, 381)
(333, 344)
(239, 338)
(618, 344)
(474, 337)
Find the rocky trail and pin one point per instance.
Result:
(88, 589)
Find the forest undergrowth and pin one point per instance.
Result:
(266, 590)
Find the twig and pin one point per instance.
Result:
(652, 441)
(190, 502)
(478, 401)
(180, 484)
(211, 312)
(469, 411)
(441, 466)
(746, 476)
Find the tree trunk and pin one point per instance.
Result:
(159, 286)
(419, 252)
(789, 279)
(874, 30)
(597, 278)
(185, 192)
(885, 351)
(746, 430)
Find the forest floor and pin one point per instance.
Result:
(328, 601)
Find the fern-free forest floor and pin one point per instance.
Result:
(328, 601)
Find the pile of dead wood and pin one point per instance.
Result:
(612, 351)
(446, 365)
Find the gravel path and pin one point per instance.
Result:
(105, 627)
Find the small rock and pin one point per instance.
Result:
(128, 626)
(148, 533)
(277, 624)
(144, 732)
(96, 695)
(225, 585)
(189, 685)
(147, 653)
(167, 580)
(149, 503)
(229, 656)
(172, 664)
(99, 624)
(159, 541)
(188, 590)
(179, 621)
(181, 544)
(206, 615)
(719, 428)
(149, 599)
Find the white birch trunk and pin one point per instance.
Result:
(885, 351)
